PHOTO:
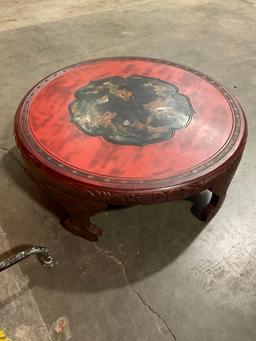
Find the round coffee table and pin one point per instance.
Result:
(125, 131)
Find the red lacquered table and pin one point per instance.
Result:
(124, 131)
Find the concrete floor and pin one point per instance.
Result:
(157, 273)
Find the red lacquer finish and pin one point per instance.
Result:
(207, 140)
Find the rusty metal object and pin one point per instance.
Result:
(45, 258)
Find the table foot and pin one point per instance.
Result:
(219, 192)
(213, 206)
(77, 212)
(81, 226)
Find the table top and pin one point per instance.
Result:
(128, 122)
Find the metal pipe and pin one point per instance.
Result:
(45, 258)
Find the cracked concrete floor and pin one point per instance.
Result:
(157, 273)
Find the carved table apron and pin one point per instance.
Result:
(125, 131)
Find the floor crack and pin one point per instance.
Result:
(135, 291)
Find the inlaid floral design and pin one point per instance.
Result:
(132, 111)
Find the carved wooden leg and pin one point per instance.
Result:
(78, 221)
(218, 195)
(219, 190)
(77, 214)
